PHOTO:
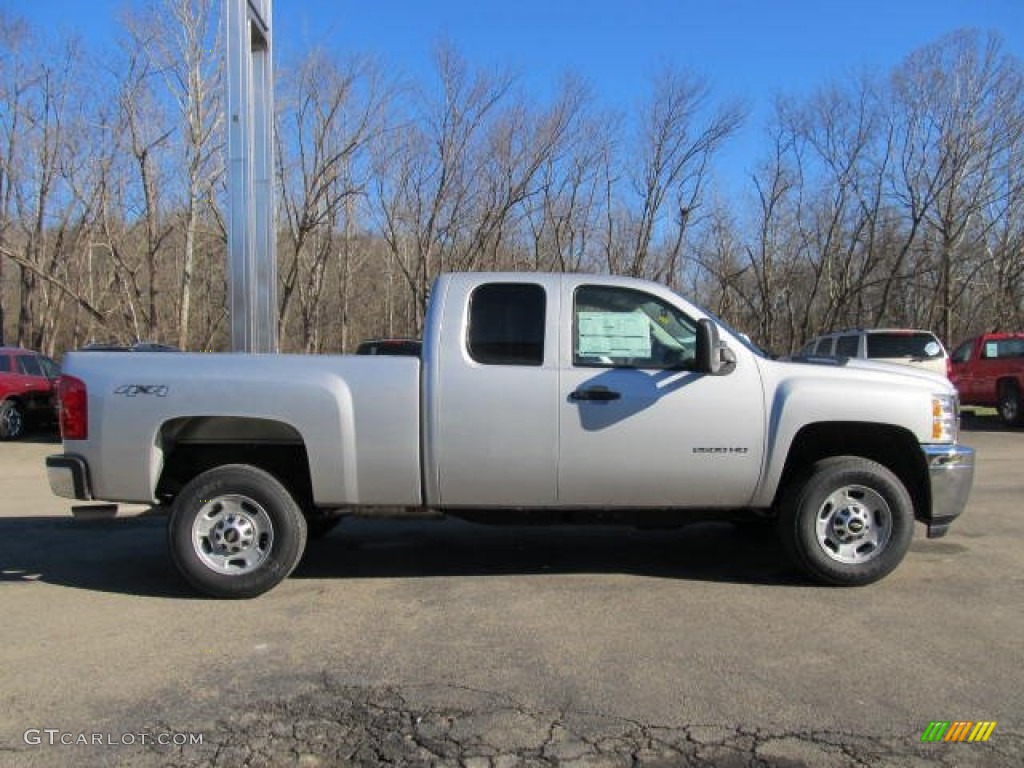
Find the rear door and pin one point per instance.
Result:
(494, 424)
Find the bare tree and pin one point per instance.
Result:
(38, 137)
(954, 96)
(329, 115)
(677, 141)
(564, 218)
(144, 183)
(769, 251)
(14, 81)
(428, 171)
(187, 56)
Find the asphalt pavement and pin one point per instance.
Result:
(451, 644)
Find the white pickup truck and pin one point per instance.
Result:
(556, 396)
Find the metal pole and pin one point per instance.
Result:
(252, 251)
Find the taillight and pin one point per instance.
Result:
(74, 408)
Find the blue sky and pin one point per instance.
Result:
(750, 49)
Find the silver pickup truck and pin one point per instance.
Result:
(560, 397)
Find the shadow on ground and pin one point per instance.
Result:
(42, 436)
(984, 421)
(129, 556)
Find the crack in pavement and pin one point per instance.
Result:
(447, 726)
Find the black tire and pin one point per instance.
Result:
(236, 532)
(1009, 404)
(320, 522)
(848, 521)
(12, 420)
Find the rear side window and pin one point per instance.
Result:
(889, 345)
(823, 347)
(5, 364)
(29, 365)
(506, 324)
(846, 346)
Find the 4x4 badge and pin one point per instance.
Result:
(131, 390)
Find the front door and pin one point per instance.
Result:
(638, 426)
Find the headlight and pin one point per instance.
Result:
(945, 418)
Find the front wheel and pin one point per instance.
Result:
(1009, 404)
(848, 521)
(235, 531)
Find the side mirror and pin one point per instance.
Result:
(713, 356)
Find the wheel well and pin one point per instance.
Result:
(893, 447)
(1006, 381)
(196, 444)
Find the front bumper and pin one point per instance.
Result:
(68, 475)
(950, 476)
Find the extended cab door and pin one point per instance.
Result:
(639, 427)
(491, 386)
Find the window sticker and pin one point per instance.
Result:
(932, 349)
(991, 349)
(614, 334)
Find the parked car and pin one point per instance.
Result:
(410, 347)
(988, 371)
(28, 390)
(138, 346)
(921, 349)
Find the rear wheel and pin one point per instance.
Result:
(12, 420)
(848, 521)
(1009, 404)
(235, 531)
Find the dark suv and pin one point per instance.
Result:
(409, 347)
(28, 386)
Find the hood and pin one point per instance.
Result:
(871, 369)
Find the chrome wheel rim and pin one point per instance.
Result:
(1008, 406)
(232, 534)
(12, 422)
(854, 524)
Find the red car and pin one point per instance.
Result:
(28, 386)
(988, 370)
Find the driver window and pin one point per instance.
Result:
(622, 327)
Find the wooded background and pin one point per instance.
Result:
(883, 199)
